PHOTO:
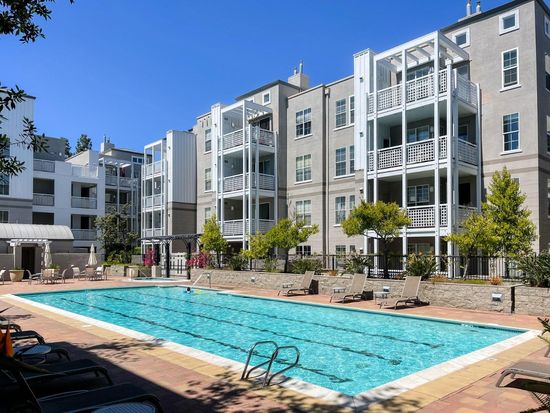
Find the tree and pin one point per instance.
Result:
(212, 239)
(287, 234)
(83, 143)
(258, 247)
(385, 219)
(17, 18)
(115, 236)
(514, 231)
(68, 152)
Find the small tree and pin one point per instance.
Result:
(287, 234)
(115, 236)
(212, 239)
(68, 152)
(83, 143)
(258, 247)
(513, 229)
(383, 218)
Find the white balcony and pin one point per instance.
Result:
(111, 180)
(43, 199)
(44, 165)
(152, 168)
(234, 228)
(83, 202)
(84, 234)
(233, 139)
(260, 136)
(111, 207)
(235, 182)
(424, 216)
(125, 182)
(153, 201)
(84, 171)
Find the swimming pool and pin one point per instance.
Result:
(345, 350)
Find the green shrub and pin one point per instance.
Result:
(270, 264)
(301, 265)
(237, 262)
(536, 269)
(119, 258)
(419, 265)
(356, 264)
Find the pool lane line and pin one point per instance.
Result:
(347, 349)
(339, 329)
(331, 377)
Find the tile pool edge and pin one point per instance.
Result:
(375, 395)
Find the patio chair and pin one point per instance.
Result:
(2, 275)
(540, 390)
(354, 292)
(77, 273)
(34, 277)
(408, 296)
(91, 274)
(304, 288)
(101, 272)
(526, 368)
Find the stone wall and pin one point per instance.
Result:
(528, 300)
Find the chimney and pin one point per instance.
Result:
(468, 8)
(299, 78)
(478, 6)
(106, 144)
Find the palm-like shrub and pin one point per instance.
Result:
(536, 269)
(300, 266)
(356, 264)
(420, 265)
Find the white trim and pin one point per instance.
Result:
(303, 182)
(350, 123)
(504, 151)
(297, 138)
(501, 29)
(512, 87)
(344, 176)
(467, 33)
(502, 69)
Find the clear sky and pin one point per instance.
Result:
(133, 69)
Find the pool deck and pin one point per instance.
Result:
(184, 383)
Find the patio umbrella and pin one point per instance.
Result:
(47, 256)
(92, 260)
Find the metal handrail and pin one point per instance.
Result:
(291, 365)
(246, 374)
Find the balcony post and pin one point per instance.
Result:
(375, 144)
(478, 147)
(257, 179)
(449, 183)
(404, 144)
(454, 152)
(245, 169)
(437, 213)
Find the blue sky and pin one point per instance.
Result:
(132, 69)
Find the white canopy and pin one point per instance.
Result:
(21, 233)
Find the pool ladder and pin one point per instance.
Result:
(274, 354)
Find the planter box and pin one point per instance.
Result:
(16, 275)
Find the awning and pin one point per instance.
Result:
(31, 233)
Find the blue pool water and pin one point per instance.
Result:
(344, 350)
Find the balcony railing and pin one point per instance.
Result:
(152, 200)
(44, 165)
(152, 232)
(152, 168)
(84, 234)
(126, 182)
(111, 180)
(424, 216)
(235, 182)
(233, 139)
(265, 137)
(84, 171)
(234, 227)
(260, 136)
(467, 152)
(83, 202)
(111, 207)
(43, 199)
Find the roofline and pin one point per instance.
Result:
(267, 86)
(491, 12)
(303, 92)
(339, 80)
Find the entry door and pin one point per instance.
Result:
(27, 259)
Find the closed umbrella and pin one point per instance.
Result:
(47, 256)
(92, 260)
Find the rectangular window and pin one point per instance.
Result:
(510, 130)
(351, 202)
(4, 184)
(208, 179)
(548, 196)
(351, 159)
(462, 38)
(547, 26)
(340, 209)
(340, 250)
(352, 110)
(208, 140)
(548, 134)
(420, 72)
(418, 134)
(137, 159)
(303, 212)
(547, 70)
(463, 132)
(4, 217)
(418, 195)
(266, 98)
(340, 161)
(509, 22)
(510, 68)
(207, 214)
(303, 168)
(303, 250)
(303, 122)
(341, 115)
(464, 71)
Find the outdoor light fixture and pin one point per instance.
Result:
(253, 279)
(496, 297)
(386, 288)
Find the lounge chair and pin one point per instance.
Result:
(540, 390)
(304, 288)
(354, 292)
(33, 277)
(408, 296)
(91, 274)
(526, 368)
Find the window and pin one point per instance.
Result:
(340, 250)
(303, 168)
(547, 70)
(462, 38)
(303, 123)
(137, 159)
(418, 134)
(207, 214)
(352, 249)
(547, 26)
(548, 133)
(463, 71)
(463, 132)
(303, 212)
(207, 140)
(4, 217)
(208, 179)
(548, 196)
(303, 250)
(266, 98)
(510, 68)
(351, 159)
(352, 110)
(510, 130)
(420, 72)
(509, 22)
(4, 184)
(340, 209)
(351, 202)
(340, 161)
(418, 195)
(341, 115)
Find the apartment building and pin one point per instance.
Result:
(169, 188)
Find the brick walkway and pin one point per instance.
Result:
(186, 384)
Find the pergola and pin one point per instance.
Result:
(166, 240)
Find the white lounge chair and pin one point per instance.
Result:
(354, 292)
(303, 288)
(409, 294)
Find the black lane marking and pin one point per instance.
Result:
(349, 330)
(350, 350)
(331, 377)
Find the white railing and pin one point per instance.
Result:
(422, 151)
(443, 215)
(389, 157)
(265, 137)
(84, 234)
(233, 139)
(127, 182)
(467, 152)
(83, 202)
(157, 200)
(424, 216)
(233, 228)
(370, 160)
(370, 103)
(466, 91)
(265, 182)
(110, 180)
(442, 147)
(235, 182)
(148, 169)
(44, 165)
(389, 98)
(264, 225)
(43, 199)
(464, 212)
(420, 88)
(148, 202)
(84, 171)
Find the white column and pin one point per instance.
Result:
(455, 159)
(245, 169)
(449, 186)
(257, 179)
(479, 182)
(375, 143)
(404, 145)
(437, 197)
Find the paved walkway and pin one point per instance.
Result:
(186, 384)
